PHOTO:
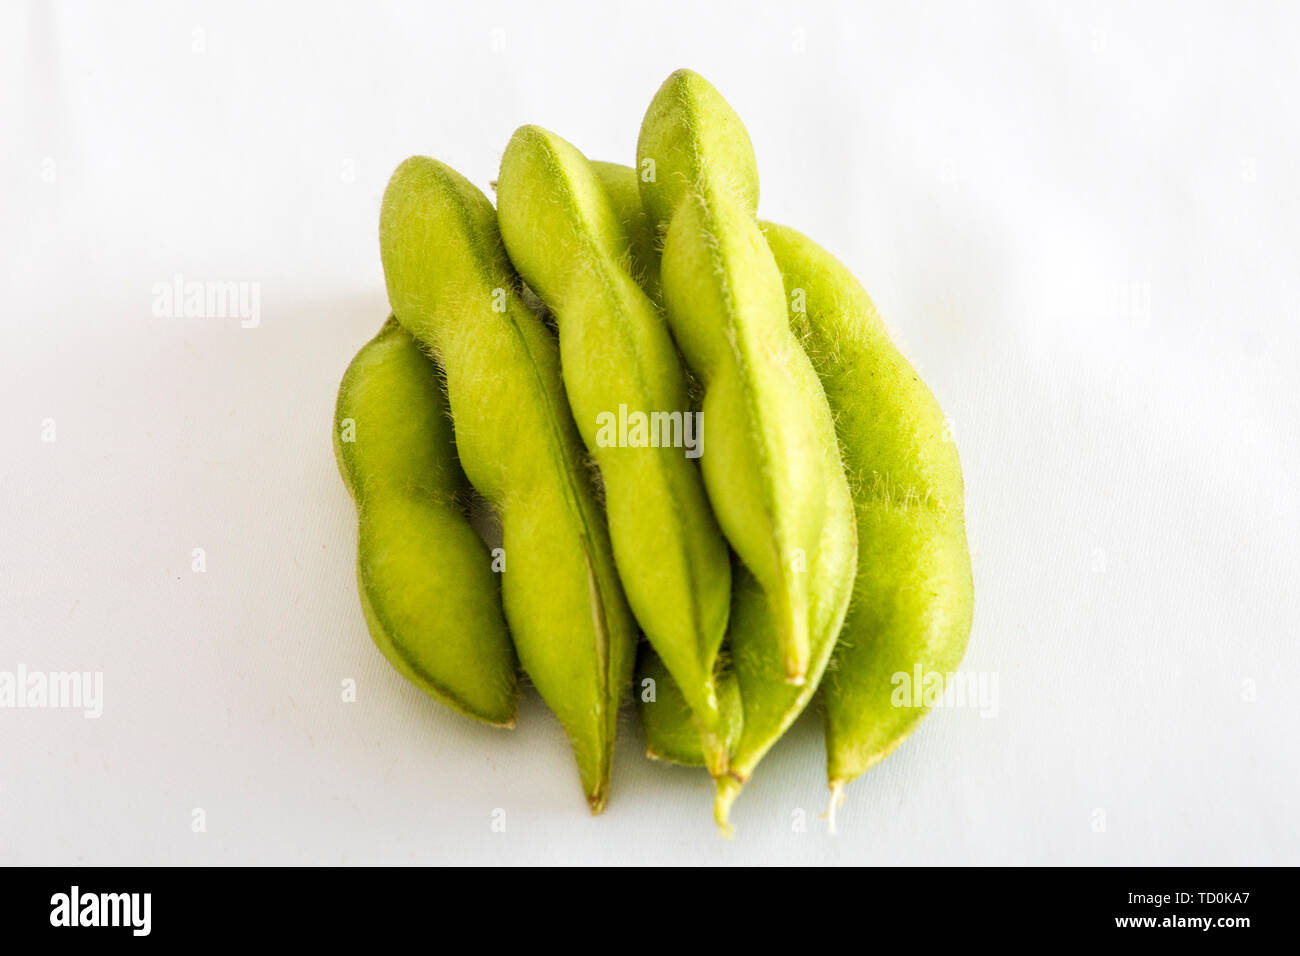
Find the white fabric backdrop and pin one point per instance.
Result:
(1081, 223)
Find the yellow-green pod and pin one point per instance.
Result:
(627, 390)
(764, 410)
(913, 598)
(666, 718)
(624, 191)
(452, 287)
(769, 702)
(427, 589)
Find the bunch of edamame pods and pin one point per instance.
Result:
(693, 429)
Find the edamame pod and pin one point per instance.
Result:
(913, 598)
(764, 410)
(430, 599)
(624, 193)
(620, 366)
(669, 726)
(770, 703)
(452, 287)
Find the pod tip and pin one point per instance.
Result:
(728, 789)
(794, 650)
(836, 801)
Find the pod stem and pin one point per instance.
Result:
(728, 790)
(836, 801)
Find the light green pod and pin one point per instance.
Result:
(624, 193)
(620, 366)
(912, 602)
(764, 411)
(669, 726)
(770, 703)
(452, 287)
(430, 598)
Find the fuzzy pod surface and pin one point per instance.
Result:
(913, 598)
(453, 288)
(430, 599)
(769, 702)
(765, 470)
(619, 364)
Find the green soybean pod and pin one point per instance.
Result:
(624, 191)
(666, 718)
(622, 375)
(430, 599)
(914, 594)
(769, 703)
(763, 406)
(452, 287)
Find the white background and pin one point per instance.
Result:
(1082, 222)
